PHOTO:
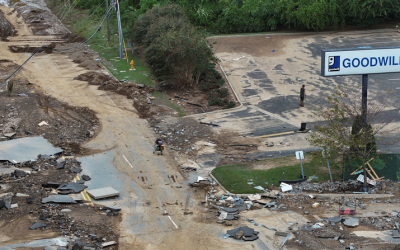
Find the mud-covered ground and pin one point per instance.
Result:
(26, 187)
(26, 106)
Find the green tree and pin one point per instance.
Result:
(340, 132)
(179, 57)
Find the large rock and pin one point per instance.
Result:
(238, 235)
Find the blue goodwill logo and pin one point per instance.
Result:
(333, 63)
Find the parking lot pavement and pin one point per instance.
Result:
(268, 71)
(250, 121)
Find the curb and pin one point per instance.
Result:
(222, 110)
(223, 188)
(312, 33)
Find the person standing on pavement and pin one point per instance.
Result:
(302, 95)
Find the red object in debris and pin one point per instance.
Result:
(347, 211)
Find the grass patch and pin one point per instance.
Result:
(77, 21)
(235, 177)
(165, 101)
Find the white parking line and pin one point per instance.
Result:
(127, 161)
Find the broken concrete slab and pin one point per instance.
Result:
(103, 192)
(334, 219)
(58, 199)
(76, 187)
(395, 234)
(110, 243)
(9, 135)
(247, 231)
(284, 234)
(78, 197)
(37, 225)
(250, 238)
(51, 185)
(43, 157)
(61, 165)
(229, 217)
(86, 177)
(231, 209)
(7, 197)
(351, 222)
(25, 149)
(113, 208)
(76, 170)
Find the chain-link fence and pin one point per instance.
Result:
(385, 165)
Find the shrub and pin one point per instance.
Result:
(211, 79)
(177, 53)
(179, 57)
(215, 97)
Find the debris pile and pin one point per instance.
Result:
(45, 188)
(40, 115)
(229, 206)
(350, 186)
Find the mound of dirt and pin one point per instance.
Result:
(138, 92)
(6, 28)
(95, 78)
(85, 58)
(28, 49)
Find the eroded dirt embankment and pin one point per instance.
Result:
(6, 28)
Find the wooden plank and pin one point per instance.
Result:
(373, 170)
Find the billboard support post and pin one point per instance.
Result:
(364, 100)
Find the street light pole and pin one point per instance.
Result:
(108, 22)
(119, 31)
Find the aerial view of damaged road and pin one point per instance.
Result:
(241, 166)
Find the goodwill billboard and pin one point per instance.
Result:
(360, 61)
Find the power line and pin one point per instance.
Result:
(90, 15)
(36, 51)
(94, 32)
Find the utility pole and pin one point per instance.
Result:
(108, 21)
(119, 32)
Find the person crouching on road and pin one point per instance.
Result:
(159, 142)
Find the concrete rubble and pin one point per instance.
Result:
(351, 222)
(243, 233)
(101, 193)
(39, 188)
(339, 187)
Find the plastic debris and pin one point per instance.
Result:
(43, 123)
